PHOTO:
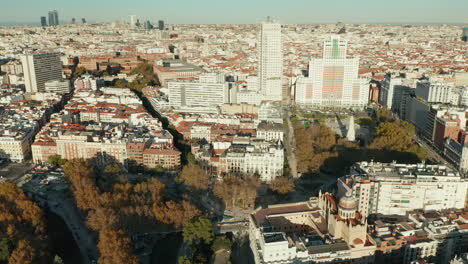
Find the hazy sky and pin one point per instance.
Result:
(242, 11)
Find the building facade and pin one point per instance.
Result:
(270, 61)
(394, 189)
(333, 79)
(39, 69)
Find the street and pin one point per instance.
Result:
(290, 144)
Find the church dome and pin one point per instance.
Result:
(348, 202)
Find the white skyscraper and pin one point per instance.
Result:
(270, 61)
(39, 69)
(133, 21)
(333, 79)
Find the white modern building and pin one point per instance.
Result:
(57, 86)
(437, 91)
(257, 157)
(39, 69)
(333, 79)
(270, 60)
(394, 189)
(203, 95)
(392, 91)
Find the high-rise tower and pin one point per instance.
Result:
(39, 69)
(53, 18)
(43, 21)
(333, 79)
(270, 60)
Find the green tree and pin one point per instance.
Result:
(200, 230)
(5, 249)
(56, 160)
(191, 159)
(221, 242)
(184, 260)
(79, 71)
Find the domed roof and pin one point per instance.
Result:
(348, 202)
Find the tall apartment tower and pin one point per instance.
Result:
(270, 61)
(161, 24)
(43, 21)
(39, 69)
(333, 79)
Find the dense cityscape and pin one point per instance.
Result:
(143, 141)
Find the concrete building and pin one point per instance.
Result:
(394, 189)
(270, 111)
(166, 158)
(39, 69)
(270, 60)
(465, 34)
(253, 157)
(333, 79)
(391, 92)
(43, 21)
(13, 67)
(320, 230)
(53, 18)
(161, 24)
(436, 91)
(270, 131)
(205, 95)
(56, 86)
(175, 69)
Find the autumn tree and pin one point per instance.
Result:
(178, 214)
(237, 191)
(115, 248)
(113, 173)
(194, 177)
(22, 228)
(102, 219)
(199, 230)
(314, 145)
(83, 183)
(282, 185)
(396, 137)
(24, 253)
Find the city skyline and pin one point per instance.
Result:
(209, 12)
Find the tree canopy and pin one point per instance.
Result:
(22, 228)
(236, 191)
(115, 248)
(199, 230)
(195, 177)
(282, 185)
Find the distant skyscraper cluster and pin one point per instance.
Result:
(135, 24)
(53, 18)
